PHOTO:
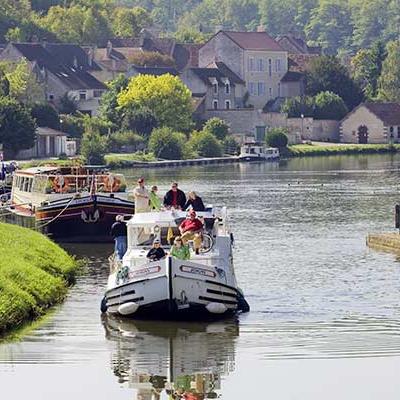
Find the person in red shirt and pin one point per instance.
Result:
(191, 229)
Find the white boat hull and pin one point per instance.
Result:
(172, 288)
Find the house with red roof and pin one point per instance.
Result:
(257, 59)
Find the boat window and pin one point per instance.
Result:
(40, 183)
(29, 186)
(21, 183)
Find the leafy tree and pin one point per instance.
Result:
(121, 139)
(330, 25)
(108, 109)
(230, 145)
(190, 35)
(72, 124)
(367, 67)
(277, 137)
(218, 127)
(141, 121)
(297, 106)
(389, 81)
(67, 105)
(94, 147)
(45, 115)
(329, 105)
(128, 22)
(23, 84)
(328, 74)
(4, 84)
(17, 127)
(278, 16)
(165, 143)
(205, 144)
(151, 59)
(166, 96)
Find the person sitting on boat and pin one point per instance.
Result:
(141, 196)
(191, 229)
(119, 233)
(155, 201)
(195, 202)
(156, 252)
(180, 250)
(175, 197)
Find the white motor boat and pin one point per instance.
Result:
(254, 151)
(170, 288)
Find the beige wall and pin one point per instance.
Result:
(325, 130)
(362, 116)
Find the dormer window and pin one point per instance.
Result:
(227, 86)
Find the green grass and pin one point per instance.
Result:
(121, 160)
(34, 275)
(305, 150)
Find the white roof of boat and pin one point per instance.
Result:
(161, 218)
(37, 170)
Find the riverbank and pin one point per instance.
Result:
(34, 275)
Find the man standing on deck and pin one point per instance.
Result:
(142, 197)
(119, 233)
(175, 197)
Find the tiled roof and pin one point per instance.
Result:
(253, 40)
(156, 71)
(73, 78)
(388, 113)
(300, 62)
(219, 72)
(292, 76)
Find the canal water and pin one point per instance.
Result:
(325, 312)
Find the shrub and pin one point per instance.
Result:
(129, 139)
(93, 147)
(45, 115)
(72, 125)
(329, 105)
(67, 105)
(205, 144)
(141, 120)
(295, 106)
(277, 137)
(230, 145)
(151, 59)
(218, 127)
(165, 143)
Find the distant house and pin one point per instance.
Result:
(61, 69)
(256, 58)
(49, 143)
(372, 123)
(295, 44)
(217, 86)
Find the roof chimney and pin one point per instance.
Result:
(260, 28)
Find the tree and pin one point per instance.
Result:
(297, 106)
(45, 115)
(218, 127)
(108, 109)
(389, 81)
(94, 147)
(205, 144)
(141, 121)
(67, 105)
(328, 74)
(277, 137)
(230, 145)
(151, 59)
(190, 35)
(329, 105)
(121, 139)
(72, 124)
(17, 127)
(166, 96)
(165, 143)
(367, 67)
(128, 22)
(4, 84)
(23, 84)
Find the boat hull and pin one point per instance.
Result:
(257, 159)
(174, 289)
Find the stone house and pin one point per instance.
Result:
(372, 123)
(296, 44)
(256, 58)
(61, 69)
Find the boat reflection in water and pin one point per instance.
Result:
(172, 360)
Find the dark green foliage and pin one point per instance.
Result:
(94, 147)
(217, 127)
(230, 145)
(167, 144)
(329, 106)
(328, 74)
(17, 127)
(4, 85)
(67, 105)
(45, 115)
(126, 140)
(140, 120)
(297, 106)
(72, 124)
(276, 137)
(205, 144)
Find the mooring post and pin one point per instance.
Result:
(397, 217)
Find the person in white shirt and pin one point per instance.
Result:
(142, 197)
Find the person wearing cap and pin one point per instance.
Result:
(156, 252)
(191, 229)
(119, 233)
(155, 201)
(142, 197)
(175, 197)
(180, 250)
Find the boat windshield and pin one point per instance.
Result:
(144, 236)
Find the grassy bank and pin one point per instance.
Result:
(34, 275)
(309, 150)
(121, 160)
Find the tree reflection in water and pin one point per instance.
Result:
(172, 360)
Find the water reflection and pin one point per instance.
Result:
(172, 360)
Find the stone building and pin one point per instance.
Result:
(61, 69)
(296, 44)
(372, 123)
(255, 57)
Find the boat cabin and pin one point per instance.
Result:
(254, 150)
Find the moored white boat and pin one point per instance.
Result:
(254, 151)
(203, 286)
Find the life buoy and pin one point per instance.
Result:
(112, 183)
(59, 184)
